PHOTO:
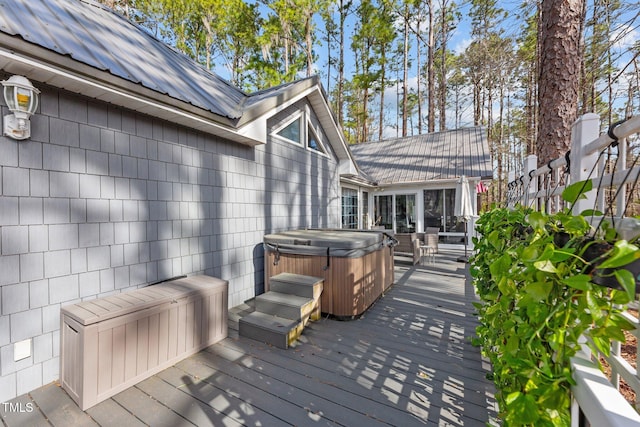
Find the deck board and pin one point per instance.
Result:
(22, 411)
(327, 385)
(58, 408)
(221, 395)
(261, 396)
(407, 361)
(149, 410)
(110, 413)
(309, 393)
(192, 409)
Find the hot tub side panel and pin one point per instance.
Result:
(351, 285)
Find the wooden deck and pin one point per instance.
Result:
(407, 361)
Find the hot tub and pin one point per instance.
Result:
(357, 266)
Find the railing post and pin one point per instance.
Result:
(585, 130)
(530, 185)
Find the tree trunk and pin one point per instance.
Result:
(431, 123)
(443, 70)
(559, 80)
(383, 55)
(340, 97)
(308, 37)
(418, 77)
(405, 65)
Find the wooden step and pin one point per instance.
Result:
(297, 284)
(270, 329)
(284, 305)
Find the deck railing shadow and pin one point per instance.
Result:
(407, 361)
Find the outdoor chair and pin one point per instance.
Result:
(431, 238)
(408, 245)
(429, 244)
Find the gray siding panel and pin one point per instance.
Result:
(112, 210)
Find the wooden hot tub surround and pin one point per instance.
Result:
(357, 266)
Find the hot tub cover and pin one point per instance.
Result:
(330, 242)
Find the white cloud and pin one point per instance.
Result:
(462, 45)
(625, 37)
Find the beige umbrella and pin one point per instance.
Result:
(463, 209)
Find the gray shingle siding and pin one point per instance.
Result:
(106, 200)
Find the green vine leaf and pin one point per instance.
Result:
(579, 281)
(538, 290)
(523, 408)
(624, 254)
(603, 345)
(546, 266)
(537, 220)
(627, 281)
(530, 271)
(577, 190)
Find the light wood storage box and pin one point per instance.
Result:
(357, 266)
(109, 344)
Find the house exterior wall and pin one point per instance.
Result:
(408, 189)
(102, 199)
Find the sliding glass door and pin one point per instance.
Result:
(405, 213)
(383, 212)
(396, 212)
(438, 209)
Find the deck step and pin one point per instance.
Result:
(285, 305)
(270, 329)
(297, 284)
(282, 313)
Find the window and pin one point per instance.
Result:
(383, 211)
(349, 208)
(313, 143)
(365, 209)
(300, 131)
(438, 209)
(291, 132)
(405, 213)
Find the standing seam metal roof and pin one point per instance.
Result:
(92, 34)
(433, 156)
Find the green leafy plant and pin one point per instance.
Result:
(539, 297)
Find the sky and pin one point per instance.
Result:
(460, 40)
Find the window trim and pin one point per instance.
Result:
(305, 128)
(321, 148)
(280, 128)
(357, 206)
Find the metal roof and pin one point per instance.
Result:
(432, 156)
(96, 36)
(84, 47)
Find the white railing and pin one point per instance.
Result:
(601, 159)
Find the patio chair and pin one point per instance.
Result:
(408, 245)
(431, 238)
(429, 245)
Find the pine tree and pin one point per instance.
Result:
(559, 78)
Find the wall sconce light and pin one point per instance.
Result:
(22, 100)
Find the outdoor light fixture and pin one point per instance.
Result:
(22, 100)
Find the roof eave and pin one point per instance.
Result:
(309, 88)
(65, 73)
